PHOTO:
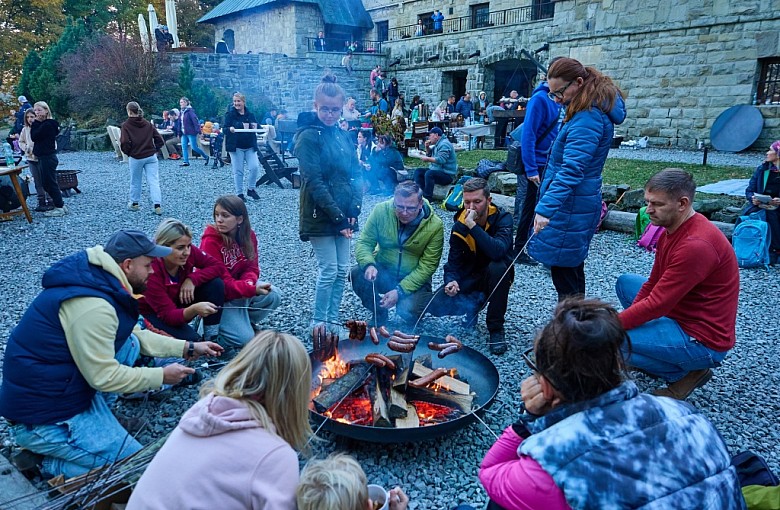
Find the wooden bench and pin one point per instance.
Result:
(14, 173)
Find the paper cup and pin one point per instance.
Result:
(378, 494)
(253, 125)
(246, 125)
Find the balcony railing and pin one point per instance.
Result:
(341, 45)
(544, 10)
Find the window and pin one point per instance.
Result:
(543, 9)
(768, 89)
(426, 21)
(382, 30)
(480, 15)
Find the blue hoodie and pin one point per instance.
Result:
(540, 113)
(570, 195)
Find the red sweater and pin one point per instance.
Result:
(161, 297)
(695, 281)
(241, 274)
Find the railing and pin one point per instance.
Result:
(544, 10)
(342, 45)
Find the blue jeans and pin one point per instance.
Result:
(426, 179)
(236, 325)
(186, 141)
(661, 347)
(90, 439)
(332, 254)
(150, 167)
(237, 159)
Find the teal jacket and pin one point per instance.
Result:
(446, 160)
(414, 262)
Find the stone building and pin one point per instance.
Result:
(681, 63)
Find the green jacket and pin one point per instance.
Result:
(413, 263)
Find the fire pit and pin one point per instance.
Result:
(436, 411)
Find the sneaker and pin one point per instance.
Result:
(497, 343)
(241, 196)
(185, 164)
(685, 386)
(175, 156)
(133, 206)
(56, 212)
(252, 193)
(527, 260)
(44, 208)
(157, 210)
(207, 161)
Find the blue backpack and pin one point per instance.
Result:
(751, 242)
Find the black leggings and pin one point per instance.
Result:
(47, 166)
(569, 281)
(213, 292)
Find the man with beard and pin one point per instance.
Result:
(681, 321)
(77, 343)
(478, 264)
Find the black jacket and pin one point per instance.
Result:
(235, 141)
(331, 191)
(471, 250)
(44, 136)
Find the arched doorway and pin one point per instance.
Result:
(508, 75)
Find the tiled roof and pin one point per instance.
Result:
(335, 12)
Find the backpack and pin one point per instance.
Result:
(642, 221)
(454, 200)
(8, 199)
(485, 167)
(751, 242)
(514, 154)
(650, 237)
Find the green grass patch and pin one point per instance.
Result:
(616, 171)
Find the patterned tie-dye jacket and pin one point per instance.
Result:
(626, 450)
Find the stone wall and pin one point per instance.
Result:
(680, 62)
(287, 82)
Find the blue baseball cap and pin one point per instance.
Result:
(129, 244)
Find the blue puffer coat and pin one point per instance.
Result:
(570, 194)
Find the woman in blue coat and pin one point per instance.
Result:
(569, 204)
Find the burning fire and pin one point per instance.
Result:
(430, 413)
(355, 410)
(333, 368)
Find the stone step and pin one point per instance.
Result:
(16, 491)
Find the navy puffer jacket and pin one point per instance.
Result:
(570, 195)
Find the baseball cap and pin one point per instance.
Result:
(22, 99)
(437, 131)
(129, 244)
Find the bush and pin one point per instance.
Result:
(207, 101)
(106, 73)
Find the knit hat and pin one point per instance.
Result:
(776, 147)
(436, 131)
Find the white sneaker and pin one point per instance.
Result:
(133, 207)
(158, 210)
(56, 212)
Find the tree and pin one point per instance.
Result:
(209, 102)
(31, 63)
(192, 33)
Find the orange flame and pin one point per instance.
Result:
(333, 368)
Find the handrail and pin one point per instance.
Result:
(543, 10)
(341, 45)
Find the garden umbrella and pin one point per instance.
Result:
(153, 24)
(144, 32)
(170, 17)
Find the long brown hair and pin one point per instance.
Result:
(596, 90)
(272, 377)
(235, 206)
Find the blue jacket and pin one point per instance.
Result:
(41, 382)
(464, 108)
(624, 449)
(540, 113)
(570, 195)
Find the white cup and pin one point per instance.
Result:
(377, 493)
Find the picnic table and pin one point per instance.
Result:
(14, 172)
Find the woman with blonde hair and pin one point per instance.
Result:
(43, 133)
(242, 147)
(185, 284)
(235, 448)
(140, 141)
(26, 144)
(569, 206)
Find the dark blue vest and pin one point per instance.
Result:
(41, 382)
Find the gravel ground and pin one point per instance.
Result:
(742, 399)
(742, 159)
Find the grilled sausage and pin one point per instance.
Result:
(436, 347)
(428, 379)
(362, 329)
(452, 340)
(375, 360)
(400, 347)
(403, 335)
(448, 349)
(374, 337)
(384, 332)
(352, 326)
(384, 359)
(399, 340)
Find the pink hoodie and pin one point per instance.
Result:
(518, 482)
(219, 457)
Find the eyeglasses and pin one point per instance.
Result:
(558, 94)
(530, 359)
(333, 111)
(404, 209)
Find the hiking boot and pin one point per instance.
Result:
(252, 193)
(44, 208)
(157, 210)
(526, 260)
(56, 212)
(133, 206)
(685, 386)
(497, 343)
(207, 161)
